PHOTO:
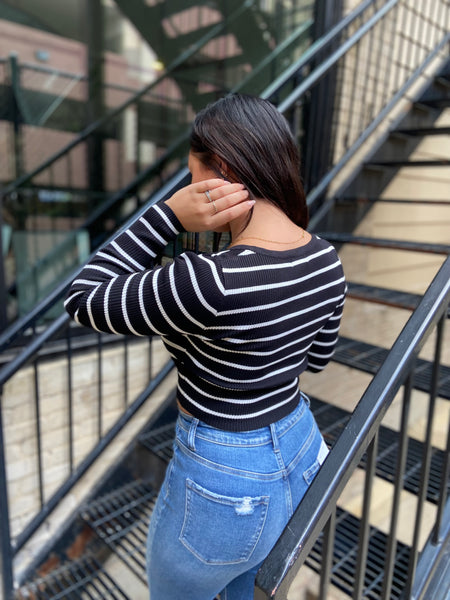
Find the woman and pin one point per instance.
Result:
(241, 325)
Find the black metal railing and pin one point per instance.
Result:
(316, 517)
(52, 343)
(370, 62)
(57, 378)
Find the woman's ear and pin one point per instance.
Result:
(223, 167)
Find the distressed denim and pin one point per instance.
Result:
(224, 502)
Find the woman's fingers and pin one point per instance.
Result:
(209, 204)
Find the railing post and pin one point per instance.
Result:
(6, 563)
(14, 76)
(3, 292)
(95, 101)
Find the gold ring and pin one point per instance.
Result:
(208, 196)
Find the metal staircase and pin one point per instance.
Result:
(356, 557)
(143, 138)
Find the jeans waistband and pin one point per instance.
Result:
(191, 426)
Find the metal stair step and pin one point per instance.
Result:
(121, 520)
(394, 164)
(380, 295)
(422, 131)
(435, 102)
(348, 238)
(332, 420)
(160, 441)
(386, 296)
(82, 579)
(345, 556)
(369, 358)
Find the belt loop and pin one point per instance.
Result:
(191, 434)
(273, 432)
(306, 399)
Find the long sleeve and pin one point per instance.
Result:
(122, 290)
(241, 324)
(323, 346)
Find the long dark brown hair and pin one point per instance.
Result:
(254, 140)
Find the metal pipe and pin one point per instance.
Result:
(327, 556)
(6, 563)
(364, 533)
(398, 488)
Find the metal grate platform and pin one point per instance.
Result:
(84, 579)
(369, 359)
(410, 246)
(332, 420)
(395, 164)
(345, 557)
(160, 440)
(121, 520)
(379, 295)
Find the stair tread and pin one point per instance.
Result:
(83, 578)
(386, 296)
(444, 130)
(348, 238)
(442, 162)
(345, 556)
(369, 358)
(382, 295)
(121, 519)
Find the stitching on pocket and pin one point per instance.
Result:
(310, 473)
(220, 529)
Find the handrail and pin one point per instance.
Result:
(326, 65)
(316, 48)
(295, 543)
(57, 293)
(99, 123)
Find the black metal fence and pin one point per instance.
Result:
(361, 75)
(317, 518)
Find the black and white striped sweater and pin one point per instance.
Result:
(241, 324)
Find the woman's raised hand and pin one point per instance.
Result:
(210, 204)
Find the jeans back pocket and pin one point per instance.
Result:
(310, 473)
(221, 529)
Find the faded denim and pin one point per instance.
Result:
(224, 502)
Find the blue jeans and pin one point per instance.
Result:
(224, 502)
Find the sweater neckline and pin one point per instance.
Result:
(280, 253)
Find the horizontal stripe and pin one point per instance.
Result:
(241, 326)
